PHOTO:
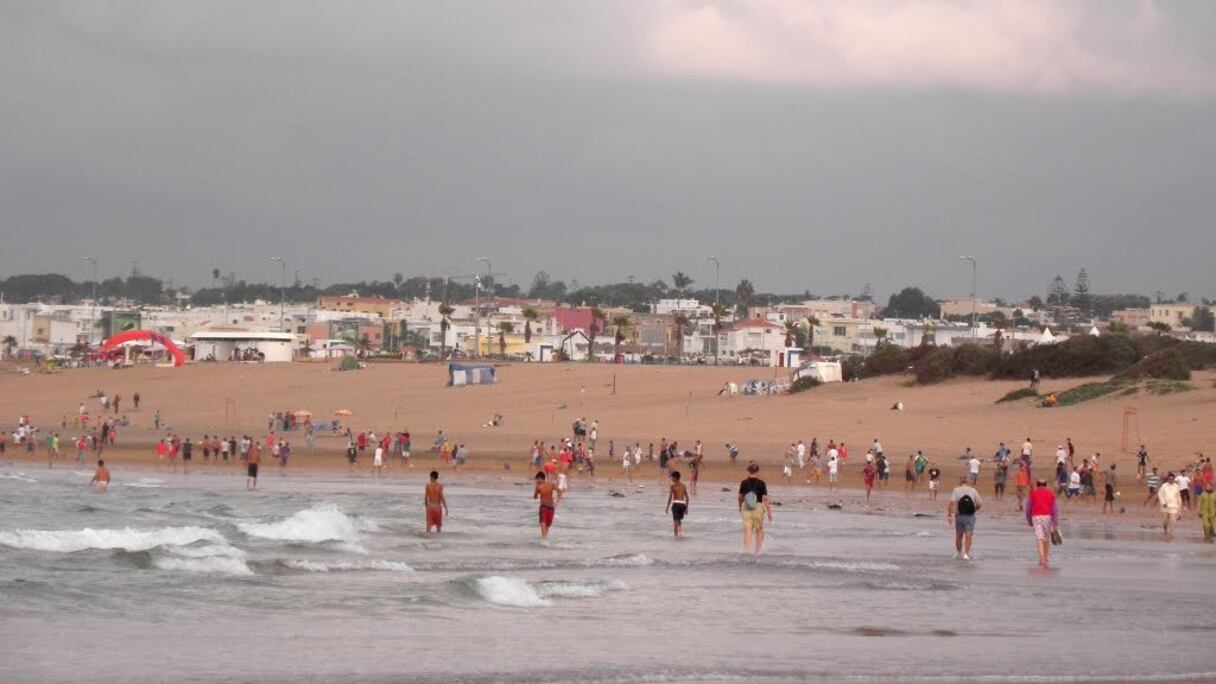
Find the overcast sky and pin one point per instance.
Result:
(811, 145)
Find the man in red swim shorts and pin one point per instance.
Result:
(436, 504)
(549, 495)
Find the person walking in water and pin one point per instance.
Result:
(964, 504)
(677, 503)
(101, 477)
(549, 496)
(1043, 516)
(435, 503)
(754, 506)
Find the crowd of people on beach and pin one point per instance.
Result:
(1076, 479)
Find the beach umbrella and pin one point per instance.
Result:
(344, 413)
(302, 414)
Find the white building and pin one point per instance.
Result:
(226, 345)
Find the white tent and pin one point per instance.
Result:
(1093, 330)
(1046, 337)
(823, 371)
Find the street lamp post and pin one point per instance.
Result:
(476, 315)
(489, 277)
(717, 278)
(972, 260)
(93, 304)
(282, 286)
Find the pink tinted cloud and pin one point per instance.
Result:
(1007, 45)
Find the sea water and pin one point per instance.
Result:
(328, 578)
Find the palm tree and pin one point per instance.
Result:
(9, 343)
(621, 323)
(745, 290)
(880, 334)
(597, 320)
(680, 323)
(530, 315)
(681, 281)
(504, 328)
(444, 324)
(718, 312)
(365, 345)
(811, 322)
(791, 329)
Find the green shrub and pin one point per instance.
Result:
(1166, 364)
(973, 359)
(1075, 357)
(935, 367)
(1163, 387)
(886, 360)
(1088, 391)
(804, 384)
(1017, 394)
(852, 368)
(348, 363)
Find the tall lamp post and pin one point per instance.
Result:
(972, 260)
(717, 278)
(476, 315)
(282, 286)
(93, 305)
(489, 277)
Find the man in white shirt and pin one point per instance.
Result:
(1170, 497)
(973, 468)
(833, 467)
(1027, 450)
(1184, 488)
(1061, 455)
(801, 453)
(877, 447)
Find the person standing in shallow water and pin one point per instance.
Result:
(549, 496)
(964, 504)
(677, 503)
(1043, 516)
(754, 505)
(435, 503)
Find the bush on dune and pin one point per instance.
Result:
(1075, 357)
(1167, 364)
(1017, 394)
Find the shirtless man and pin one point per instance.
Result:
(549, 496)
(677, 503)
(101, 477)
(436, 504)
(255, 457)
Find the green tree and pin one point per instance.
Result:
(1201, 320)
(679, 324)
(530, 316)
(911, 302)
(880, 336)
(719, 312)
(1159, 327)
(1057, 292)
(445, 322)
(681, 281)
(622, 324)
(9, 343)
(746, 292)
(504, 328)
(811, 322)
(791, 333)
(1080, 293)
(597, 321)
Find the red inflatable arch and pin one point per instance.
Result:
(178, 357)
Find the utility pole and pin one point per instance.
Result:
(476, 315)
(972, 260)
(717, 278)
(93, 305)
(282, 286)
(489, 277)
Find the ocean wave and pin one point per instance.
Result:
(323, 566)
(20, 477)
(217, 565)
(322, 523)
(518, 593)
(69, 541)
(635, 560)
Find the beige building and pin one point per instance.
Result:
(1172, 314)
(1132, 318)
(961, 306)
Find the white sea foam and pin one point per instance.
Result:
(578, 589)
(322, 523)
(217, 565)
(635, 560)
(518, 593)
(321, 566)
(68, 541)
(20, 477)
(509, 591)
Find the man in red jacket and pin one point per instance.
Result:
(1043, 516)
